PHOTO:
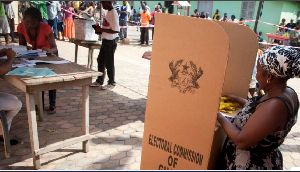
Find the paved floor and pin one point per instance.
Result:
(116, 119)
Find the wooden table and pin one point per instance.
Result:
(284, 40)
(69, 74)
(91, 45)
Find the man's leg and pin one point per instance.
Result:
(147, 35)
(121, 29)
(11, 105)
(125, 29)
(142, 35)
(12, 29)
(52, 97)
(55, 28)
(101, 61)
(110, 62)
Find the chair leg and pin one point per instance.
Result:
(6, 139)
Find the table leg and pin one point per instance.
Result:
(34, 140)
(40, 106)
(91, 64)
(89, 58)
(85, 115)
(76, 52)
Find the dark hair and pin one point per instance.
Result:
(33, 13)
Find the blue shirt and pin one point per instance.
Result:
(124, 16)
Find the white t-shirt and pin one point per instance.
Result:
(234, 21)
(111, 21)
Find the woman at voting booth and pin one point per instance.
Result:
(40, 36)
(262, 125)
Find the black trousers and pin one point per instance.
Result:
(144, 35)
(106, 59)
(52, 95)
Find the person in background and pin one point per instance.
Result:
(131, 14)
(218, 18)
(258, 130)
(4, 26)
(153, 15)
(69, 28)
(11, 20)
(110, 29)
(41, 5)
(290, 25)
(163, 10)
(60, 26)
(207, 16)
(8, 103)
(159, 6)
(259, 37)
(195, 14)
(294, 35)
(282, 30)
(216, 15)
(40, 36)
(145, 16)
(116, 5)
(82, 6)
(233, 19)
(76, 5)
(242, 21)
(224, 19)
(99, 14)
(88, 13)
(202, 15)
(53, 8)
(123, 20)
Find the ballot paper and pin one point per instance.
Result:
(17, 49)
(21, 51)
(49, 62)
(32, 72)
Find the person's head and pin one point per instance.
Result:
(259, 33)
(159, 5)
(218, 18)
(241, 19)
(145, 2)
(156, 8)
(32, 18)
(106, 5)
(195, 11)
(232, 17)
(225, 15)
(283, 20)
(276, 65)
(144, 8)
(217, 11)
(124, 3)
(69, 4)
(207, 14)
(292, 20)
(163, 10)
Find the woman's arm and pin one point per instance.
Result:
(6, 66)
(267, 118)
(53, 46)
(22, 40)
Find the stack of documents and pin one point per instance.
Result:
(22, 51)
(33, 72)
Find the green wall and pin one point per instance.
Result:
(289, 11)
(229, 7)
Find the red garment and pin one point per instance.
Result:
(153, 16)
(42, 41)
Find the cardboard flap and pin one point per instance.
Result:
(242, 55)
(188, 64)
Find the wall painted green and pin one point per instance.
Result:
(229, 7)
(289, 11)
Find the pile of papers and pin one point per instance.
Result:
(31, 63)
(22, 51)
(33, 72)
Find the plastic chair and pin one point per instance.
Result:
(4, 129)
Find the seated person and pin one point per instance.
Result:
(260, 128)
(40, 36)
(8, 103)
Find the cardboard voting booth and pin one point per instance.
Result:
(84, 30)
(190, 61)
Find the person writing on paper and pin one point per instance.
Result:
(8, 103)
(40, 36)
(260, 128)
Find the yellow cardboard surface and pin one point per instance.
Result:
(241, 60)
(188, 65)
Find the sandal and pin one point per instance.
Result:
(51, 110)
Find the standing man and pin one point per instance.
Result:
(123, 20)
(4, 26)
(106, 56)
(233, 19)
(41, 5)
(11, 20)
(53, 9)
(224, 19)
(145, 16)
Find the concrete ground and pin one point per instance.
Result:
(116, 119)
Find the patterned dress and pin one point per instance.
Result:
(263, 156)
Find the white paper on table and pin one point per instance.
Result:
(16, 49)
(34, 51)
(50, 62)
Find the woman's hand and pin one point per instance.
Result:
(10, 54)
(46, 49)
(29, 48)
(230, 97)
